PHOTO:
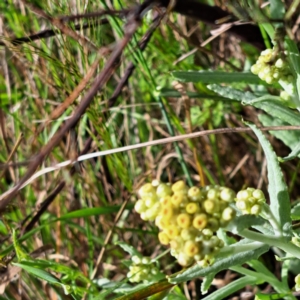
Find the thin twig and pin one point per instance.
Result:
(171, 139)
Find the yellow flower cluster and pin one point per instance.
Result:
(297, 281)
(250, 201)
(142, 269)
(187, 217)
(270, 68)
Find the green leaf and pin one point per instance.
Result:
(240, 223)
(266, 228)
(87, 212)
(266, 275)
(231, 288)
(293, 154)
(277, 9)
(21, 254)
(231, 93)
(272, 296)
(38, 273)
(206, 283)
(147, 291)
(238, 254)
(273, 107)
(58, 268)
(166, 92)
(295, 212)
(289, 138)
(217, 77)
(279, 197)
(278, 110)
(43, 275)
(294, 55)
(129, 249)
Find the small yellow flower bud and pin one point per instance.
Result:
(200, 221)
(255, 69)
(177, 199)
(213, 194)
(210, 206)
(183, 220)
(136, 259)
(269, 79)
(151, 213)
(147, 190)
(191, 248)
(188, 234)
(255, 210)
(167, 212)
(194, 193)
(140, 206)
(166, 201)
(172, 232)
(163, 238)
(258, 194)
(184, 260)
(243, 205)
(227, 194)
(207, 233)
(243, 195)
(297, 281)
(163, 190)
(177, 243)
(279, 63)
(179, 186)
(192, 208)
(228, 214)
(149, 201)
(161, 223)
(267, 55)
(146, 260)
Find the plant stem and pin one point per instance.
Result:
(278, 242)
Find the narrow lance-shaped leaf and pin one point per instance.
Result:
(277, 109)
(217, 77)
(231, 288)
(38, 273)
(206, 283)
(279, 197)
(90, 211)
(289, 138)
(223, 263)
(267, 103)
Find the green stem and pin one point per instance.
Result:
(274, 241)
